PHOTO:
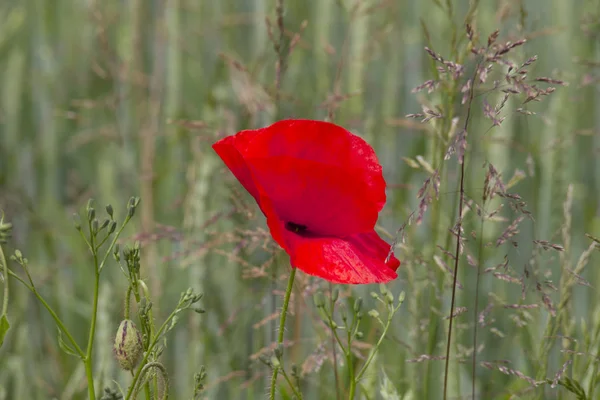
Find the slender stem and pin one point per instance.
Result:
(282, 318)
(127, 303)
(374, 352)
(113, 242)
(297, 393)
(458, 236)
(476, 311)
(147, 353)
(146, 291)
(163, 374)
(336, 336)
(5, 269)
(54, 316)
(333, 348)
(88, 360)
(351, 374)
(351, 332)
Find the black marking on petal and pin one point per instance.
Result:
(296, 228)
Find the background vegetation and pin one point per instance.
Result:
(109, 99)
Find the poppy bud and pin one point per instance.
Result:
(77, 221)
(335, 294)
(128, 345)
(104, 224)
(358, 305)
(318, 300)
(109, 211)
(91, 213)
(117, 253)
(390, 298)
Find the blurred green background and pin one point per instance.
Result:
(109, 99)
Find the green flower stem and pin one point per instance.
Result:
(88, 360)
(5, 269)
(128, 302)
(354, 379)
(374, 352)
(289, 381)
(146, 291)
(350, 361)
(57, 320)
(163, 374)
(333, 349)
(144, 361)
(282, 318)
(347, 352)
(112, 244)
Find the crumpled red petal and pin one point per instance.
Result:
(356, 259)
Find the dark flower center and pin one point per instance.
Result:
(296, 228)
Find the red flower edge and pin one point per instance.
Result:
(321, 189)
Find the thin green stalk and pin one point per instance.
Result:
(148, 352)
(476, 305)
(350, 362)
(88, 360)
(6, 291)
(113, 242)
(377, 345)
(336, 336)
(54, 316)
(459, 225)
(289, 381)
(352, 378)
(146, 291)
(282, 318)
(164, 375)
(333, 349)
(128, 303)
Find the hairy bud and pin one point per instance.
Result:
(128, 345)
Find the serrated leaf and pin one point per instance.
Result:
(4, 327)
(64, 346)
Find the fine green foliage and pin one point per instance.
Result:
(492, 105)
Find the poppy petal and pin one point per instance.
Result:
(326, 199)
(356, 259)
(324, 143)
(230, 150)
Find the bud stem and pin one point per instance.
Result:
(282, 318)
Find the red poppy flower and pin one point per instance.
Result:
(321, 189)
